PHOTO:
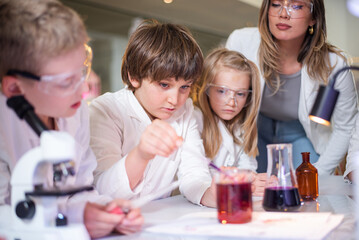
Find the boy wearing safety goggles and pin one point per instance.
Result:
(44, 57)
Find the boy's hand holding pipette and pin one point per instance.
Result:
(159, 138)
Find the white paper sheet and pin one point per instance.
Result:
(263, 225)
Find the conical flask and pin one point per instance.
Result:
(281, 190)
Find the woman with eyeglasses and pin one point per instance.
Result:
(227, 100)
(290, 48)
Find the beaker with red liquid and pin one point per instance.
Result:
(234, 196)
(281, 190)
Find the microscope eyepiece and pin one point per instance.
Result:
(25, 110)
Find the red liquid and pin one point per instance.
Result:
(281, 199)
(234, 203)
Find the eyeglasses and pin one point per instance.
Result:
(294, 8)
(223, 95)
(61, 84)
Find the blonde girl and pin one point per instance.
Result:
(227, 98)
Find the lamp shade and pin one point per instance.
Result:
(324, 105)
(326, 99)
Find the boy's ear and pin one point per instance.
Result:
(10, 86)
(135, 83)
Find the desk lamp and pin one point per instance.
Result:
(326, 99)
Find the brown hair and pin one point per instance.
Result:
(33, 31)
(314, 52)
(159, 51)
(246, 120)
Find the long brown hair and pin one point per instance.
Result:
(314, 52)
(246, 120)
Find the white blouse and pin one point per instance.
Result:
(230, 153)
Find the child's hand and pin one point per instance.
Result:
(98, 221)
(159, 138)
(259, 184)
(132, 221)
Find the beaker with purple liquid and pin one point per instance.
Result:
(281, 190)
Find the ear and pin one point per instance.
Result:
(134, 82)
(10, 86)
(312, 22)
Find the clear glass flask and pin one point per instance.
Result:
(281, 190)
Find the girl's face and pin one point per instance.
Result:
(228, 92)
(61, 95)
(289, 20)
(162, 99)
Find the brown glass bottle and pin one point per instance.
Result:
(307, 177)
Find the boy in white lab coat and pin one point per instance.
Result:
(144, 134)
(44, 57)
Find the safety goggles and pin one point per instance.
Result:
(62, 84)
(223, 95)
(294, 8)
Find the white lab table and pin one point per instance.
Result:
(335, 196)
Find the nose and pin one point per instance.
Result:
(232, 101)
(284, 11)
(173, 97)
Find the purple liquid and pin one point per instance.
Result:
(281, 199)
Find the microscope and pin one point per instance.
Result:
(38, 183)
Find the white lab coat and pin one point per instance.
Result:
(117, 121)
(331, 143)
(16, 138)
(353, 152)
(229, 154)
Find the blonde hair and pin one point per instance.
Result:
(246, 120)
(33, 31)
(314, 52)
(159, 51)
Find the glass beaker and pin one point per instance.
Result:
(234, 195)
(281, 190)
